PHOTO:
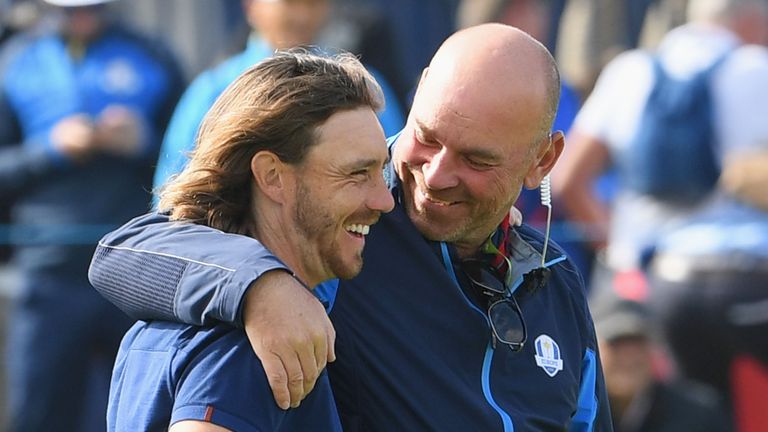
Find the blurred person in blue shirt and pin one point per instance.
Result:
(708, 275)
(276, 24)
(708, 258)
(418, 28)
(15, 16)
(605, 128)
(83, 102)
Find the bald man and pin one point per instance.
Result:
(456, 322)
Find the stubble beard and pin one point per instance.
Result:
(474, 226)
(315, 224)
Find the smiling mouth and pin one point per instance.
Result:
(437, 202)
(358, 230)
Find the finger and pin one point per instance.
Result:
(292, 365)
(321, 351)
(277, 377)
(331, 335)
(309, 367)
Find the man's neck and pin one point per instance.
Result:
(498, 238)
(282, 250)
(274, 233)
(469, 249)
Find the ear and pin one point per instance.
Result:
(270, 175)
(545, 160)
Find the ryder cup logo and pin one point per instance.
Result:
(548, 355)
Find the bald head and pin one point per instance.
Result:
(478, 131)
(499, 66)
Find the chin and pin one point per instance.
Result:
(431, 232)
(348, 270)
(434, 229)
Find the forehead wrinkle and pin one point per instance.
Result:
(468, 136)
(339, 167)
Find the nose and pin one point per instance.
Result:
(439, 172)
(380, 199)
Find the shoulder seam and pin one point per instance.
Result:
(167, 255)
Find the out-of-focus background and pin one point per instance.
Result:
(680, 288)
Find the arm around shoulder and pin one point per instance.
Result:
(291, 334)
(154, 268)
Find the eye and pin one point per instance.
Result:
(425, 141)
(480, 165)
(362, 173)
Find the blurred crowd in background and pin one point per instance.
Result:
(100, 104)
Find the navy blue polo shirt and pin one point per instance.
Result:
(167, 372)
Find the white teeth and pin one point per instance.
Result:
(437, 201)
(358, 228)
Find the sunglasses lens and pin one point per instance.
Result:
(503, 312)
(507, 323)
(484, 279)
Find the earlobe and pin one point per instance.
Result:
(545, 160)
(268, 173)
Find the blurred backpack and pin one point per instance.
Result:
(673, 156)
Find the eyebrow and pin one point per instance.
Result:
(482, 154)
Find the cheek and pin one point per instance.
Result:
(488, 185)
(341, 204)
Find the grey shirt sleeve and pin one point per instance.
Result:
(152, 268)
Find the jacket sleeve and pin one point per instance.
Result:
(152, 268)
(593, 412)
(21, 166)
(604, 420)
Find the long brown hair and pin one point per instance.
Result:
(275, 105)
